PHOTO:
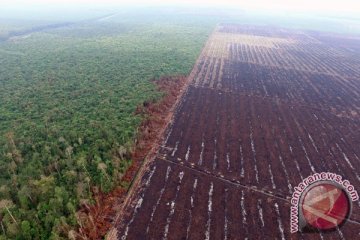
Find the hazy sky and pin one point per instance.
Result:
(325, 6)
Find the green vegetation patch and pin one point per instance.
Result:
(67, 123)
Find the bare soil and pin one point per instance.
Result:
(257, 118)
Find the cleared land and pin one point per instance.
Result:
(264, 109)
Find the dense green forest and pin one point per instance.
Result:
(67, 102)
(68, 96)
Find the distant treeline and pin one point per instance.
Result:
(19, 33)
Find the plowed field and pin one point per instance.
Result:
(264, 109)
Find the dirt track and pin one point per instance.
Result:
(264, 109)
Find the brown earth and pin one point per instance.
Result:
(256, 119)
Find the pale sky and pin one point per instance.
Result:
(324, 6)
